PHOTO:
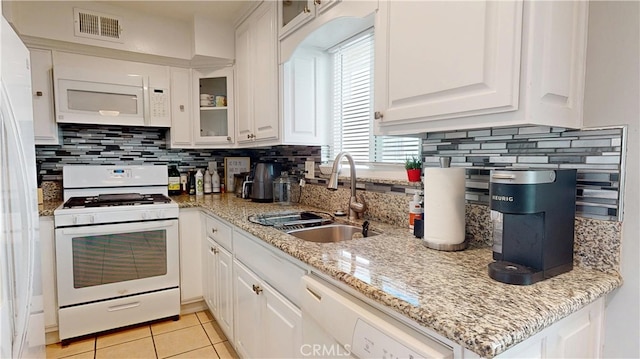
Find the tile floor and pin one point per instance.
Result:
(195, 335)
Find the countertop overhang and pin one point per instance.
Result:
(447, 292)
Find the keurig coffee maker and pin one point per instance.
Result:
(532, 215)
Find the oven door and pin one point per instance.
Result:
(114, 260)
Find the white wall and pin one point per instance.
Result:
(612, 97)
(142, 33)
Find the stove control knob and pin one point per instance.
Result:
(75, 220)
(92, 218)
(160, 214)
(143, 215)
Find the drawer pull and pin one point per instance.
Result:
(257, 289)
(316, 295)
(213, 230)
(115, 308)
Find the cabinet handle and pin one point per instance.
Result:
(378, 115)
(257, 289)
(307, 10)
(39, 93)
(216, 251)
(229, 138)
(181, 107)
(318, 2)
(213, 230)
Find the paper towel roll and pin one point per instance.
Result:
(444, 217)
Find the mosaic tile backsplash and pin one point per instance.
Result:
(595, 153)
(115, 145)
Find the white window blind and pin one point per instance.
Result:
(353, 107)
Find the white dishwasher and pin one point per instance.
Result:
(338, 325)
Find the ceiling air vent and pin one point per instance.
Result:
(96, 25)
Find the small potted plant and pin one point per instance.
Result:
(413, 166)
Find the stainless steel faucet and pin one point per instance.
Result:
(356, 209)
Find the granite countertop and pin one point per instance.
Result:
(447, 292)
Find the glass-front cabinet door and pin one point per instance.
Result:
(294, 13)
(214, 121)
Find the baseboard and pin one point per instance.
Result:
(192, 307)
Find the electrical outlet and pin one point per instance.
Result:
(309, 169)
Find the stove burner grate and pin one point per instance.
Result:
(115, 199)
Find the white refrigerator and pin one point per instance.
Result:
(21, 310)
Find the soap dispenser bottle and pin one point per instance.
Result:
(415, 209)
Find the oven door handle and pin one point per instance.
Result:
(119, 227)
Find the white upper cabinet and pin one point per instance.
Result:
(304, 84)
(181, 132)
(257, 76)
(293, 14)
(445, 59)
(202, 111)
(471, 64)
(214, 122)
(45, 127)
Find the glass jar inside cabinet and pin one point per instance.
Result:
(215, 123)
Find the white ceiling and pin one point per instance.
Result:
(225, 10)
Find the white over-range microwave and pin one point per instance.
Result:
(102, 91)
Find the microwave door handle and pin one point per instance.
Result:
(146, 100)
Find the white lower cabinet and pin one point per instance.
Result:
(576, 336)
(267, 324)
(218, 284)
(253, 291)
(48, 263)
(190, 258)
(217, 278)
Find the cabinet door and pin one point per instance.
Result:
(324, 5)
(190, 256)
(210, 276)
(265, 75)
(214, 121)
(303, 77)
(181, 127)
(45, 127)
(557, 45)
(257, 76)
(282, 326)
(224, 288)
(48, 267)
(244, 100)
(294, 13)
(456, 58)
(248, 333)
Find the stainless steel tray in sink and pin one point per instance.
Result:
(289, 220)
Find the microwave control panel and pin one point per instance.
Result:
(159, 104)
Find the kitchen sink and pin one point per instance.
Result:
(330, 233)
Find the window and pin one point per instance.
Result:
(352, 95)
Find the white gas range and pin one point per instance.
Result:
(116, 248)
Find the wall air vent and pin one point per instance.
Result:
(96, 25)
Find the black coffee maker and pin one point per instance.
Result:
(532, 215)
